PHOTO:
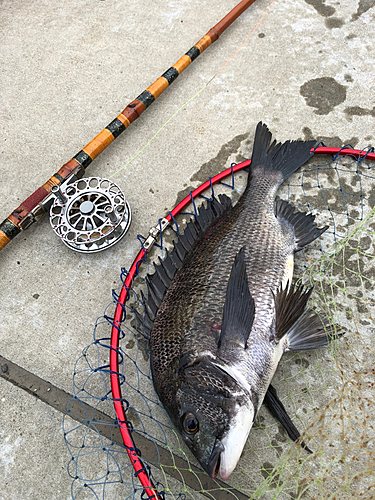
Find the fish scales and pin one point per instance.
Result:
(214, 344)
(195, 301)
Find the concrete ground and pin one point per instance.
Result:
(69, 68)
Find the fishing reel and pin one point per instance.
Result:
(90, 214)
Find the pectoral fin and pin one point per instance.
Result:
(278, 410)
(239, 307)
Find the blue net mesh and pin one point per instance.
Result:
(328, 393)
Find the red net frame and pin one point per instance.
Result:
(135, 459)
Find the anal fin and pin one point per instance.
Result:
(239, 307)
(278, 410)
(305, 229)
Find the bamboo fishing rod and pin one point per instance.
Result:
(37, 204)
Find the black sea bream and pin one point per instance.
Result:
(221, 310)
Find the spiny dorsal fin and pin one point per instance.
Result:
(163, 275)
(305, 229)
(150, 308)
(142, 324)
(290, 304)
(239, 307)
(168, 267)
(159, 282)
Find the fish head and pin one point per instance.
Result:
(215, 415)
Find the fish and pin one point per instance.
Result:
(221, 309)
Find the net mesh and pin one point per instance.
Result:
(328, 393)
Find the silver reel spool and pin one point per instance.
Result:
(90, 214)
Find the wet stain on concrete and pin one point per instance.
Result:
(356, 268)
(130, 344)
(364, 322)
(278, 448)
(363, 6)
(258, 423)
(281, 436)
(267, 472)
(333, 141)
(321, 7)
(366, 243)
(240, 157)
(302, 362)
(358, 111)
(334, 22)
(324, 94)
(144, 351)
(183, 193)
(141, 343)
(301, 492)
(371, 196)
(215, 165)
(133, 417)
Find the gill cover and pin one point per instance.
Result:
(211, 406)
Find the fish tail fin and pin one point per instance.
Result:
(285, 158)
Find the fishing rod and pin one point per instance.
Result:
(52, 191)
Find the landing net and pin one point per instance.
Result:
(328, 393)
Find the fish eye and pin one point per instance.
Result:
(190, 423)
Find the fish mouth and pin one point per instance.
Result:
(213, 465)
(234, 441)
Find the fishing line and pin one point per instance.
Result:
(54, 189)
(247, 39)
(158, 132)
(196, 94)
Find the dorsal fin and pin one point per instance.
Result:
(239, 307)
(159, 282)
(305, 229)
